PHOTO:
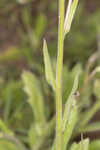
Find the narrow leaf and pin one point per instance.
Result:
(70, 124)
(67, 13)
(70, 15)
(90, 128)
(86, 117)
(70, 100)
(48, 68)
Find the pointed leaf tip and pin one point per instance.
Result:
(72, 5)
(48, 67)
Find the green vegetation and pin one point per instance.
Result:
(48, 103)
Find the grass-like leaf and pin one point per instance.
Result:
(70, 124)
(70, 101)
(72, 5)
(86, 117)
(48, 67)
(90, 128)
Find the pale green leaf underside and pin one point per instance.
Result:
(70, 124)
(48, 67)
(70, 13)
(35, 97)
(70, 100)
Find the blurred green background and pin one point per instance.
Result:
(23, 25)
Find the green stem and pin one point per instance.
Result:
(59, 77)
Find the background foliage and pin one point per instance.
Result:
(27, 103)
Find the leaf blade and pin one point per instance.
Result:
(48, 67)
(70, 125)
(35, 97)
(69, 16)
(69, 101)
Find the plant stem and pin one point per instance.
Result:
(59, 77)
